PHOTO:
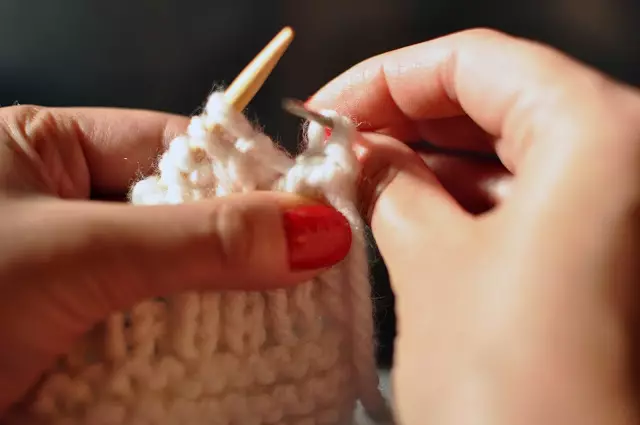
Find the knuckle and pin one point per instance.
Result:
(50, 141)
(485, 32)
(230, 229)
(25, 112)
(38, 118)
(31, 120)
(14, 119)
(42, 125)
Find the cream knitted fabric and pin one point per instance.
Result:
(299, 356)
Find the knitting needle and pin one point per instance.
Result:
(250, 80)
(253, 76)
(299, 109)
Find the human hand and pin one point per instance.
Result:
(524, 313)
(66, 262)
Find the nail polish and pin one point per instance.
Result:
(318, 236)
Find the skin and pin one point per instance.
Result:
(514, 282)
(68, 259)
(522, 314)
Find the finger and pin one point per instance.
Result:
(102, 150)
(109, 256)
(454, 133)
(399, 193)
(478, 186)
(458, 132)
(512, 88)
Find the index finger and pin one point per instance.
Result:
(501, 82)
(121, 145)
(101, 150)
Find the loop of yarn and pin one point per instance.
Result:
(298, 356)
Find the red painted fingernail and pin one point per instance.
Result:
(318, 236)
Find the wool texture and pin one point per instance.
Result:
(303, 355)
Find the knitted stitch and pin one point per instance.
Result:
(298, 356)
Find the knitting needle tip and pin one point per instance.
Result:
(299, 109)
(251, 79)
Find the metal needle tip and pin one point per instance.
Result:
(299, 109)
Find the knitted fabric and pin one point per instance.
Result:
(298, 356)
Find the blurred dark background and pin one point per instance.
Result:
(168, 54)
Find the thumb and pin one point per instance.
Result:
(404, 201)
(109, 256)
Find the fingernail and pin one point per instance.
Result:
(317, 236)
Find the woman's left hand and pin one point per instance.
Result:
(66, 263)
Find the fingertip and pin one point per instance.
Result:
(318, 237)
(272, 240)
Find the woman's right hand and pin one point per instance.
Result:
(523, 314)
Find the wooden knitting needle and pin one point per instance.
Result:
(251, 79)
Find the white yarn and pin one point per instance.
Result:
(298, 356)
